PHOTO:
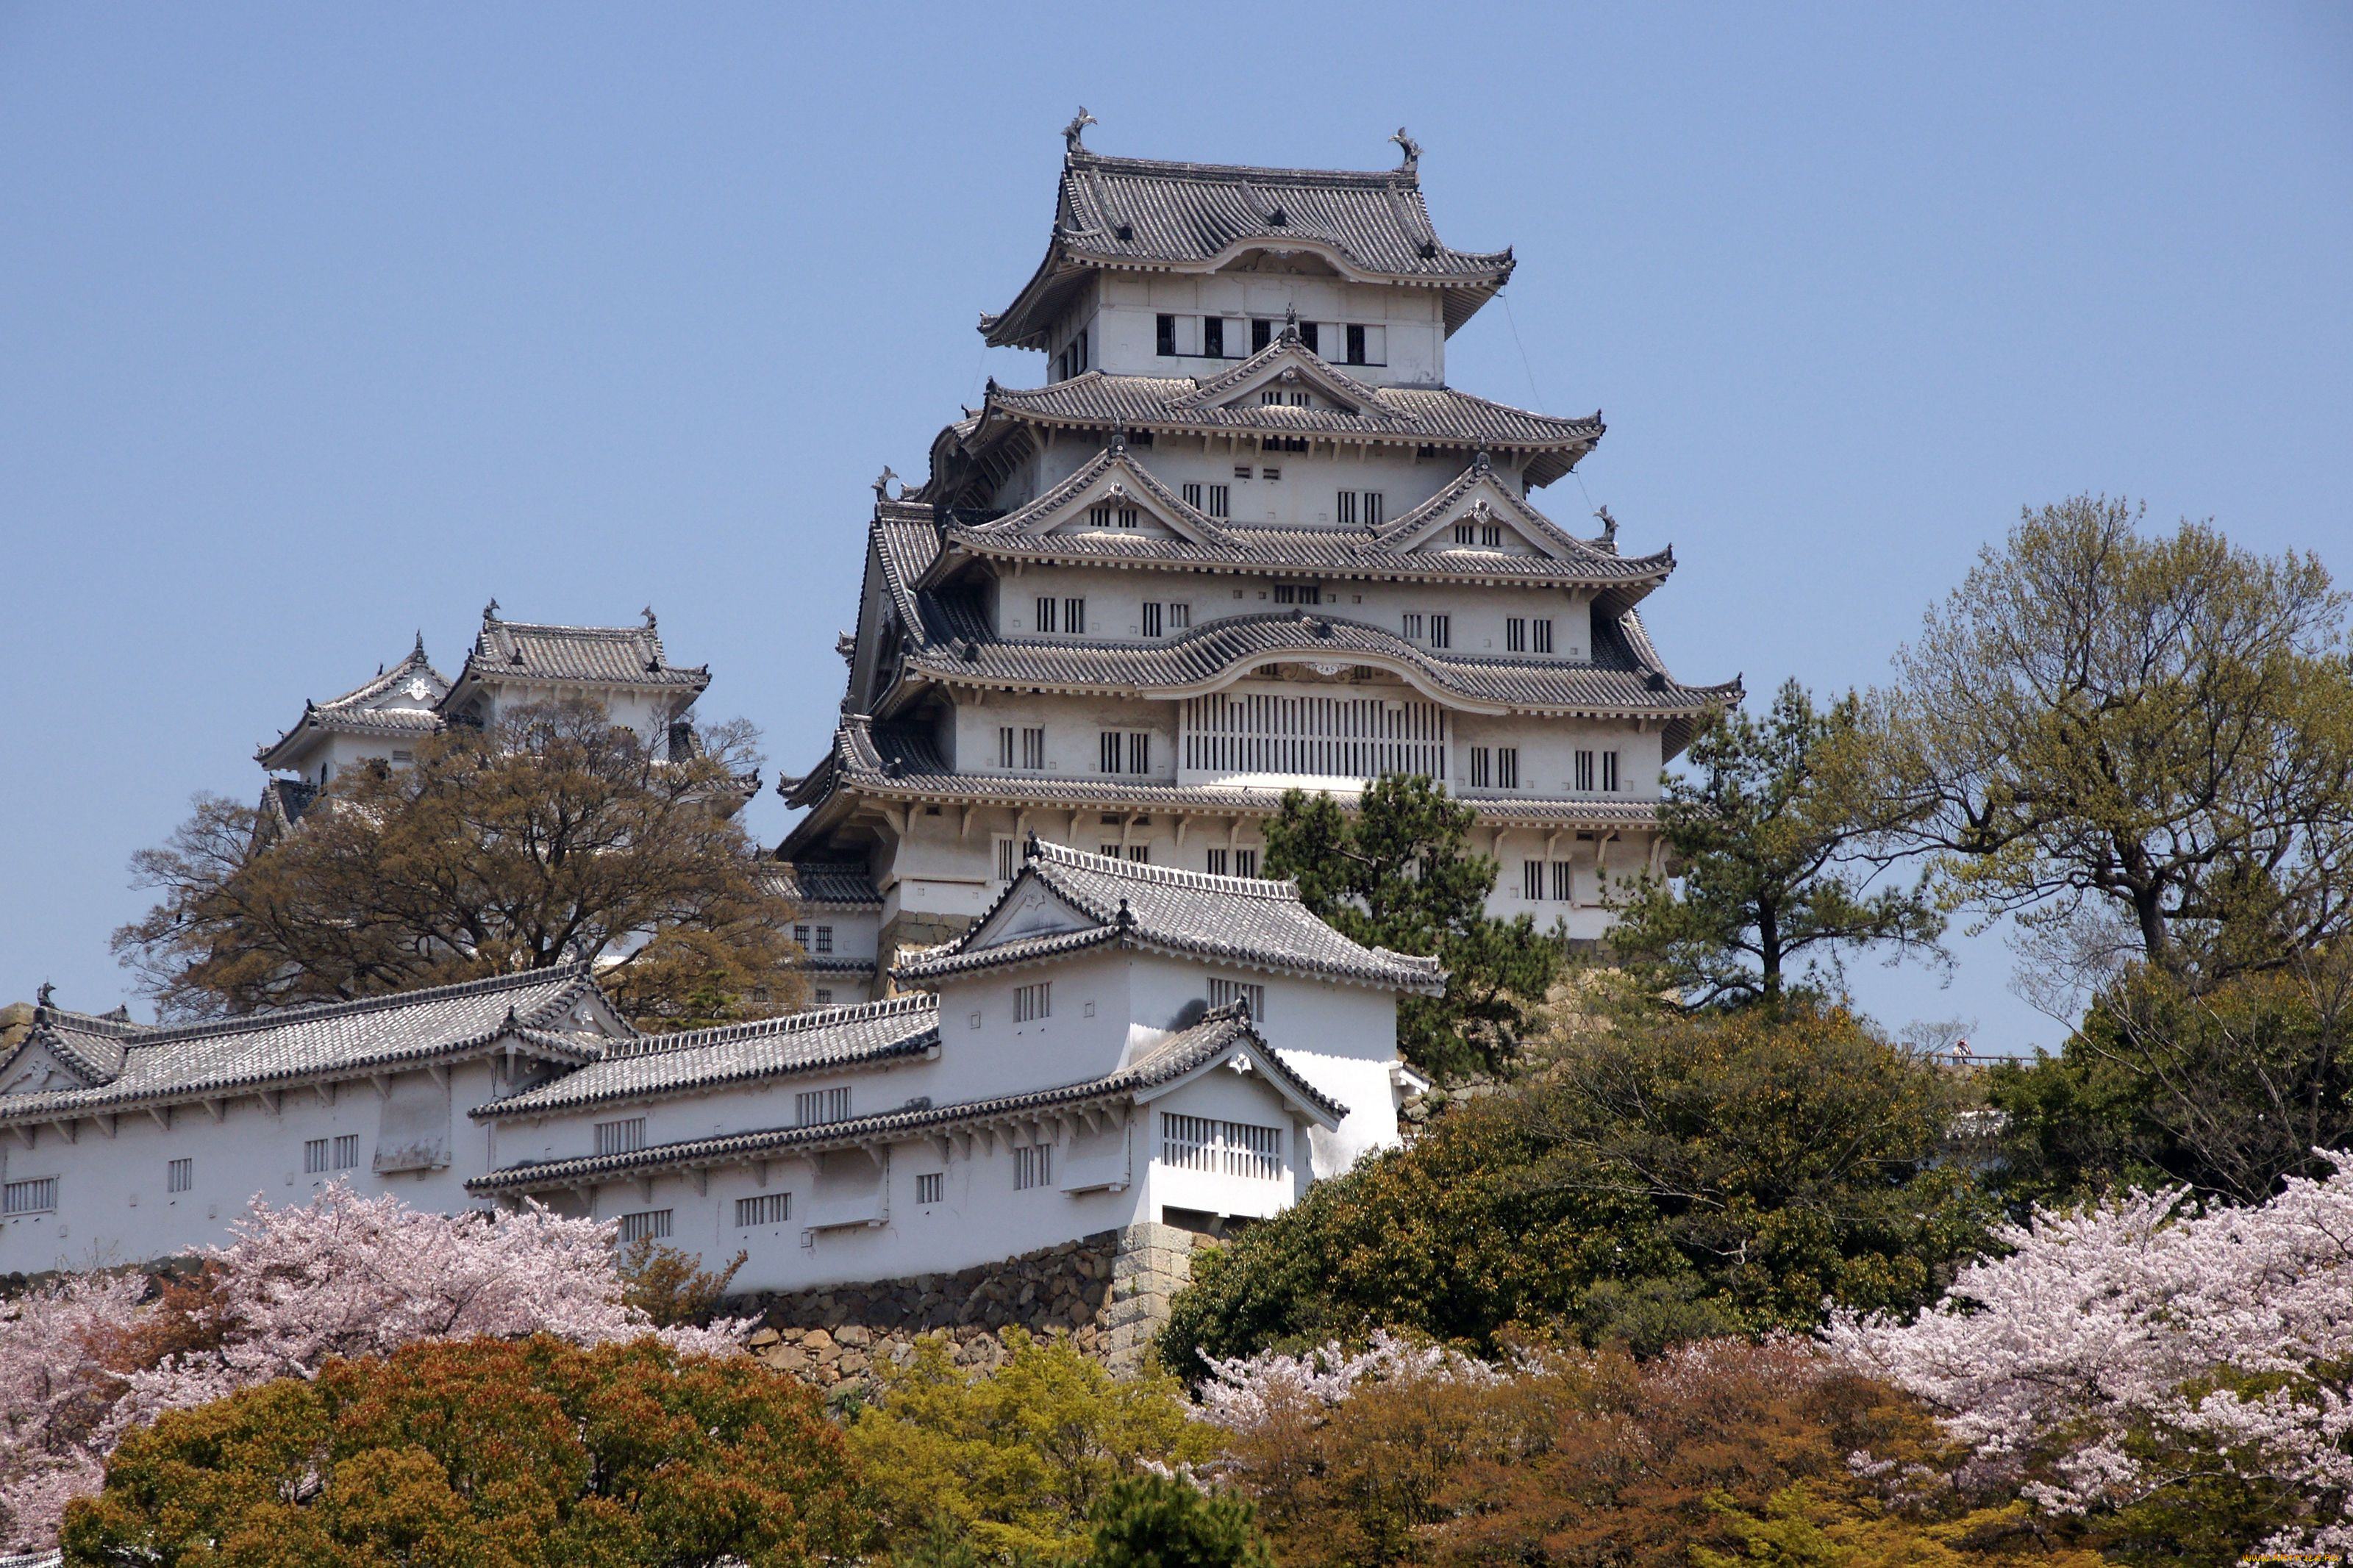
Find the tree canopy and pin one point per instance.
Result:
(1013, 1461)
(1662, 1177)
(1767, 837)
(555, 837)
(486, 1452)
(1396, 874)
(2140, 745)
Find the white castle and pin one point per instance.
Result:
(1246, 539)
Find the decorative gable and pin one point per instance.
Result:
(1111, 493)
(1033, 912)
(1285, 373)
(1480, 511)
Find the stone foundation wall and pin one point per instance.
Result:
(1109, 1291)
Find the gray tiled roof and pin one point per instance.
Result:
(701, 1060)
(1235, 920)
(1612, 685)
(88, 1045)
(597, 655)
(335, 1039)
(1385, 415)
(1343, 553)
(949, 640)
(806, 883)
(384, 706)
(1160, 216)
(1219, 1031)
(901, 762)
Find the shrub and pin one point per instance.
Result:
(485, 1451)
(1016, 1458)
(1668, 1177)
(1156, 1521)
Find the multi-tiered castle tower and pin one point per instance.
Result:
(1245, 537)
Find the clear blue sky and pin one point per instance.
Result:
(323, 324)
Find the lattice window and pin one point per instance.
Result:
(1033, 1166)
(1031, 1002)
(647, 1225)
(179, 1176)
(816, 1107)
(1321, 737)
(1251, 997)
(931, 1186)
(765, 1208)
(38, 1195)
(626, 1136)
(1227, 1147)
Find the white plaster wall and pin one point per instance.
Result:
(1124, 318)
(112, 1208)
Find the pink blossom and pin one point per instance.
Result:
(341, 1276)
(2122, 1319)
(1244, 1392)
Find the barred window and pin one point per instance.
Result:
(1229, 1148)
(1515, 634)
(1344, 509)
(1033, 748)
(816, 1107)
(1216, 863)
(347, 1151)
(1564, 881)
(1542, 626)
(1005, 745)
(1507, 767)
(1151, 619)
(1139, 853)
(1046, 608)
(646, 1224)
(1441, 631)
(1031, 1002)
(1376, 503)
(767, 1208)
(1033, 1166)
(1482, 767)
(1609, 771)
(1180, 616)
(1491, 535)
(801, 937)
(1299, 593)
(1585, 770)
(38, 1195)
(179, 1176)
(824, 939)
(1251, 997)
(1245, 862)
(626, 1136)
(314, 1156)
(1413, 624)
(930, 1186)
(1465, 533)
(1193, 494)
(1074, 616)
(1221, 502)
(1008, 858)
(1531, 880)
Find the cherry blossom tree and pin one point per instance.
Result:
(89, 1357)
(2140, 1346)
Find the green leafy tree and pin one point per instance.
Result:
(1395, 873)
(2140, 745)
(1014, 1460)
(2227, 1088)
(1154, 1522)
(1664, 1176)
(483, 1454)
(1765, 829)
(557, 836)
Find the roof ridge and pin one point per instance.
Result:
(1168, 876)
(1167, 168)
(270, 1018)
(782, 1024)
